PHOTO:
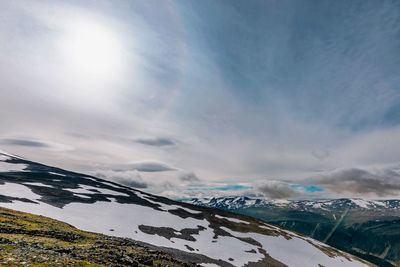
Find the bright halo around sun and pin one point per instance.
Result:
(91, 50)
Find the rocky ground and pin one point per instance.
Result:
(30, 240)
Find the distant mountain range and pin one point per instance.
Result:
(194, 234)
(369, 229)
(242, 202)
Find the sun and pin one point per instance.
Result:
(91, 49)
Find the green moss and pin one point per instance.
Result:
(7, 248)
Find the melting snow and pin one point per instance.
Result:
(4, 157)
(11, 167)
(361, 203)
(56, 173)
(293, 251)
(85, 190)
(17, 190)
(231, 219)
(37, 184)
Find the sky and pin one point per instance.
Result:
(280, 99)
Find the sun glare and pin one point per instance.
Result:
(91, 49)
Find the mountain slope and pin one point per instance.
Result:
(367, 228)
(31, 240)
(202, 235)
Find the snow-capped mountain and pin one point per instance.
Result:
(242, 202)
(206, 236)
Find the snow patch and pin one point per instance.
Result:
(4, 158)
(231, 219)
(37, 184)
(209, 265)
(292, 252)
(84, 189)
(17, 190)
(12, 167)
(56, 173)
(361, 203)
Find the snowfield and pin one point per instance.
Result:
(92, 204)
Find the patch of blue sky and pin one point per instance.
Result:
(225, 188)
(307, 188)
(234, 187)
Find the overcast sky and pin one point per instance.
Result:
(184, 98)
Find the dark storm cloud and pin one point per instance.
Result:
(145, 166)
(358, 181)
(24, 142)
(157, 141)
(277, 190)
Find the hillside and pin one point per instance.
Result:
(31, 240)
(205, 236)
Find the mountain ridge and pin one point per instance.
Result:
(240, 202)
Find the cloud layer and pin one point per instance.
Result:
(144, 166)
(35, 144)
(158, 141)
(277, 190)
(321, 94)
(359, 182)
